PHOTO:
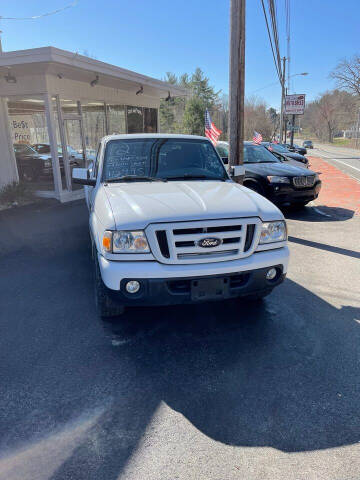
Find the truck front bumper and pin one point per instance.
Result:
(174, 284)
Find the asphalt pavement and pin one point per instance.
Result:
(214, 391)
(345, 159)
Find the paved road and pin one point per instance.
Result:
(345, 159)
(217, 392)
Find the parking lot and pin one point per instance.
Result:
(212, 391)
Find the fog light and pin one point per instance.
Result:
(133, 286)
(271, 273)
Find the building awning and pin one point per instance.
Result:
(65, 64)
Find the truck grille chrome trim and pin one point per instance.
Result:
(223, 253)
(202, 241)
(304, 181)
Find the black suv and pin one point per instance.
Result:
(280, 182)
(295, 148)
(276, 148)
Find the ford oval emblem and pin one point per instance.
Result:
(209, 242)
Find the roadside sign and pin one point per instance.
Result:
(294, 104)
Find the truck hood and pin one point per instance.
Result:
(136, 205)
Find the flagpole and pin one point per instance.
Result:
(237, 82)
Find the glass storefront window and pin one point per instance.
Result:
(116, 119)
(135, 119)
(28, 127)
(150, 120)
(93, 114)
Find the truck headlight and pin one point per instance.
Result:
(276, 179)
(273, 232)
(125, 241)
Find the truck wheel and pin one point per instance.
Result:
(107, 308)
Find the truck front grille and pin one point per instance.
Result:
(304, 181)
(187, 242)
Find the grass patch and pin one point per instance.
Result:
(343, 141)
(15, 194)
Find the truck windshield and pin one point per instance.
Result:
(163, 158)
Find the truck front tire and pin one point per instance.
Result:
(107, 308)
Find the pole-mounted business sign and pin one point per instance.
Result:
(294, 104)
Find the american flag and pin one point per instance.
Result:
(211, 131)
(257, 138)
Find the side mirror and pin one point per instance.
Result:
(81, 176)
(225, 160)
(237, 171)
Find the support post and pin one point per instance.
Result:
(51, 126)
(8, 165)
(292, 131)
(237, 82)
(63, 144)
(282, 101)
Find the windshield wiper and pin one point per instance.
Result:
(134, 178)
(195, 177)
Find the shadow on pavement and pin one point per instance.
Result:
(282, 374)
(324, 246)
(320, 213)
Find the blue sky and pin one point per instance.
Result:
(155, 36)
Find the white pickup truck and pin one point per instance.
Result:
(169, 226)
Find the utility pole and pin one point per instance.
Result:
(237, 81)
(282, 100)
(1, 50)
(292, 131)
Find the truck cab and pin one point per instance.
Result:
(168, 225)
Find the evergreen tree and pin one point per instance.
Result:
(202, 96)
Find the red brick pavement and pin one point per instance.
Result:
(338, 189)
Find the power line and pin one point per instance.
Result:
(47, 14)
(262, 88)
(276, 56)
(288, 33)
(273, 17)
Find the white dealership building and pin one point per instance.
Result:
(65, 102)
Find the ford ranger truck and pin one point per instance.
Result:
(168, 225)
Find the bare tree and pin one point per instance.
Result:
(331, 112)
(347, 75)
(257, 118)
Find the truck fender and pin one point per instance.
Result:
(95, 227)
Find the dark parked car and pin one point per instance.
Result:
(31, 165)
(308, 144)
(44, 148)
(295, 148)
(276, 148)
(277, 180)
